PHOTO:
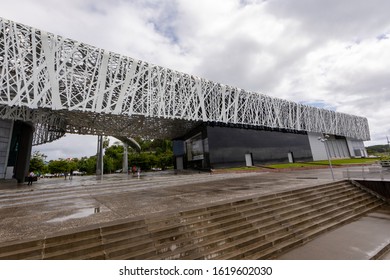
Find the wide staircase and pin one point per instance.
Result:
(253, 228)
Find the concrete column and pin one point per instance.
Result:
(6, 127)
(99, 159)
(20, 149)
(125, 162)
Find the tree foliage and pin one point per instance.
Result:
(58, 166)
(87, 165)
(378, 149)
(113, 158)
(154, 154)
(37, 162)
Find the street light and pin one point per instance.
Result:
(323, 140)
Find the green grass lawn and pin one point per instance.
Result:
(335, 162)
(240, 168)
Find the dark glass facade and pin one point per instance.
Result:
(20, 149)
(228, 146)
(214, 147)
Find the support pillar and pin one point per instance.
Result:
(99, 160)
(6, 128)
(125, 161)
(20, 149)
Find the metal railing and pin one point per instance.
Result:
(375, 172)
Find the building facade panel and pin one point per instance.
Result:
(229, 146)
(5, 138)
(338, 147)
(356, 148)
(317, 147)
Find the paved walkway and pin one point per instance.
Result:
(358, 240)
(55, 205)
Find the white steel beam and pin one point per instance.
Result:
(67, 86)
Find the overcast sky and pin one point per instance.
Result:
(332, 54)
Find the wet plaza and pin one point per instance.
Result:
(54, 205)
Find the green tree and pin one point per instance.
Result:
(108, 164)
(73, 165)
(115, 153)
(87, 165)
(37, 162)
(58, 166)
(378, 149)
(164, 153)
(165, 160)
(162, 145)
(154, 153)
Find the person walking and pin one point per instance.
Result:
(30, 178)
(139, 172)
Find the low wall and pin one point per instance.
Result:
(380, 187)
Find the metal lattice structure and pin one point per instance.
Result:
(67, 86)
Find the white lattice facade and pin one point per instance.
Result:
(62, 85)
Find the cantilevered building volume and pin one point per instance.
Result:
(50, 85)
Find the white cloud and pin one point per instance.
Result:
(352, 79)
(335, 53)
(335, 19)
(70, 146)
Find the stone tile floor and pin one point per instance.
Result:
(51, 206)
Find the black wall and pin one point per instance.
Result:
(380, 187)
(228, 146)
(20, 150)
(179, 149)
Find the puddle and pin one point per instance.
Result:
(81, 213)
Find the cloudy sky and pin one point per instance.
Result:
(333, 54)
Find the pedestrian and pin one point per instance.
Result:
(71, 174)
(65, 174)
(30, 178)
(139, 172)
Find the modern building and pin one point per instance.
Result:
(50, 85)
(213, 146)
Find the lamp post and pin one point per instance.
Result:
(388, 143)
(323, 140)
(99, 160)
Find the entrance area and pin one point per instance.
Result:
(249, 159)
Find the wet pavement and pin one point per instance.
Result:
(52, 206)
(359, 240)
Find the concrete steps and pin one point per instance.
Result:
(290, 236)
(265, 232)
(382, 253)
(264, 217)
(251, 228)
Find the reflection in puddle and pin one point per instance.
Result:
(81, 213)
